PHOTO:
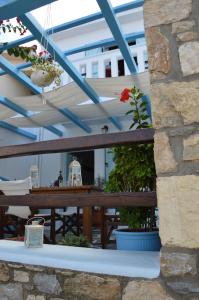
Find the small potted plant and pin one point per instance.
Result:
(134, 171)
(44, 70)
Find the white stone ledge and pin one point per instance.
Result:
(110, 262)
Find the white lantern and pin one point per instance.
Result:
(34, 174)
(41, 78)
(75, 176)
(34, 234)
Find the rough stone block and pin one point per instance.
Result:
(164, 158)
(11, 291)
(178, 204)
(191, 147)
(158, 53)
(47, 283)
(4, 272)
(178, 264)
(175, 103)
(21, 276)
(145, 290)
(34, 268)
(85, 286)
(182, 26)
(184, 287)
(33, 297)
(157, 12)
(187, 36)
(189, 58)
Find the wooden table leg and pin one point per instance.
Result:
(1, 222)
(52, 226)
(103, 227)
(87, 223)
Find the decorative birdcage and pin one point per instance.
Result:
(74, 176)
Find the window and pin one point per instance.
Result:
(83, 70)
(95, 70)
(132, 43)
(120, 64)
(93, 52)
(108, 69)
(136, 60)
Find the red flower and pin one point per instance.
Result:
(125, 95)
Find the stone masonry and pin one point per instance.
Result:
(26, 282)
(172, 33)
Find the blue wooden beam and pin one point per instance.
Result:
(75, 23)
(103, 43)
(4, 178)
(11, 8)
(115, 28)
(27, 114)
(17, 130)
(20, 76)
(30, 22)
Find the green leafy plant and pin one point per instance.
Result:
(17, 27)
(134, 169)
(74, 240)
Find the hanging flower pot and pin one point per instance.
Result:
(42, 78)
(44, 73)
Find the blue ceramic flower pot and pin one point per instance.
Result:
(137, 241)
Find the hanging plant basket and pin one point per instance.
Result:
(42, 78)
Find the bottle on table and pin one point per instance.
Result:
(60, 179)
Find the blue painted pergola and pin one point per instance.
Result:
(22, 8)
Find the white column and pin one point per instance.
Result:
(101, 68)
(114, 66)
(89, 69)
(140, 57)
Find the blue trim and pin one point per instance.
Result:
(75, 23)
(11, 8)
(148, 105)
(18, 75)
(29, 21)
(4, 178)
(13, 106)
(17, 130)
(116, 122)
(18, 67)
(104, 43)
(54, 130)
(114, 26)
(70, 115)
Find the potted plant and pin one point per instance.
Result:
(134, 171)
(44, 70)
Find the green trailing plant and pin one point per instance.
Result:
(134, 169)
(42, 61)
(74, 240)
(16, 27)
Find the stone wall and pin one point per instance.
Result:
(172, 32)
(27, 282)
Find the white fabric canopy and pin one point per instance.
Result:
(72, 97)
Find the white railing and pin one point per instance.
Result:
(113, 56)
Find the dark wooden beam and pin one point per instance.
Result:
(140, 199)
(140, 136)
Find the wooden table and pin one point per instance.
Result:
(87, 211)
